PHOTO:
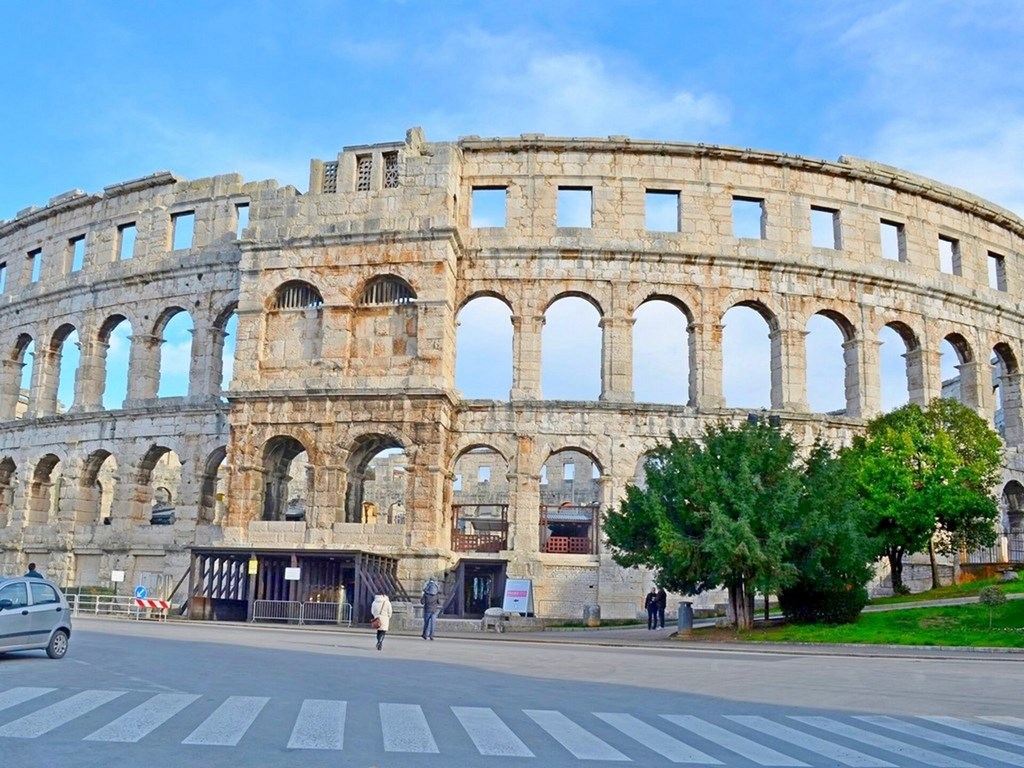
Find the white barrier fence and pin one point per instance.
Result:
(294, 612)
(123, 606)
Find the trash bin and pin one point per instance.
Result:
(685, 620)
(592, 615)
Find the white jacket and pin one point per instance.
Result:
(381, 609)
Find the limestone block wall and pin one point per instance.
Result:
(347, 300)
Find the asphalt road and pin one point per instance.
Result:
(154, 695)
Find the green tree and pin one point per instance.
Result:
(924, 475)
(719, 511)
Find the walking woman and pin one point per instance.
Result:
(381, 612)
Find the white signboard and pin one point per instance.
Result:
(292, 574)
(518, 596)
(117, 576)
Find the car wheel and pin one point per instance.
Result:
(58, 645)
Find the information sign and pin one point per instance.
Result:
(141, 592)
(117, 576)
(518, 596)
(254, 566)
(292, 574)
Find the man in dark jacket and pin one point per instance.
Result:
(651, 604)
(662, 601)
(432, 605)
(32, 572)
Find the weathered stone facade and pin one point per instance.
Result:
(347, 298)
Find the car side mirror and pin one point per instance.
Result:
(5, 604)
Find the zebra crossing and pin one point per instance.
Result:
(782, 740)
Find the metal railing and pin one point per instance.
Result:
(1008, 549)
(294, 612)
(105, 605)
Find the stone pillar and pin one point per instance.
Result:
(143, 367)
(207, 363)
(328, 505)
(789, 369)
(524, 499)
(862, 378)
(526, 357)
(706, 365)
(970, 387)
(10, 387)
(92, 376)
(616, 359)
(1010, 389)
(922, 373)
(43, 396)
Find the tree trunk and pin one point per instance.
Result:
(896, 571)
(742, 604)
(935, 565)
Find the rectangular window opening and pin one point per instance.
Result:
(126, 241)
(390, 170)
(35, 262)
(457, 483)
(661, 210)
(894, 241)
(3, 277)
(748, 218)
(183, 226)
(575, 207)
(949, 255)
(569, 471)
(996, 271)
(488, 207)
(364, 168)
(241, 219)
(483, 474)
(77, 247)
(825, 228)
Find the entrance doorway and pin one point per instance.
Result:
(479, 585)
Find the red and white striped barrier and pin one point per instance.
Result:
(146, 602)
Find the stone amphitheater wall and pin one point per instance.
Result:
(344, 374)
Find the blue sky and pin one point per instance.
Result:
(101, 92)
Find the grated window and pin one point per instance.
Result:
(391, 170)
(330, 185)
(298, 296)
(388, 290)
(364, 166)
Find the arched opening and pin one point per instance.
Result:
(957, 372)
(160, 474)
(115, 339)
(827, 376)
(480, 496)
(663, 351)
(387, 289)
(893, 366)
(1006, 380)
(287, 480)
(228, 340)
(96, 488)
(378, 481)
(483, 343)
(44, 492)
(175, 354)
(212, 506)
(1013, 506)
(571, 350)
(66, 356)
(8, 479)
(294, 324)
(746, 358)
(25, 355)
(570, 503)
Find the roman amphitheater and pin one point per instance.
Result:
(341, 445)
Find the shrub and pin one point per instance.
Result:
(808, 604)
(991, 596)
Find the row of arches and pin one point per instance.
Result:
(171, 358)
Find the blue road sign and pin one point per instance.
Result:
(141, 592)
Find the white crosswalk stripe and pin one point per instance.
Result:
(1010, 720)
(144, 719)
(55, 715)
(16, 696)
(757, 753)
(659, 741)
(580, 742)
(971, 747)
(228, 724)
(405, 729)
(995, 734)
(811, 743)
(490, 735)
(863, 736)
(320, 725)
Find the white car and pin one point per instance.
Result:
(34, 615)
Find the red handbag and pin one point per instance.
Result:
(375, 623)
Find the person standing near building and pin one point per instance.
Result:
(662, 601)
(432, 605)
(651, 605)
(32, 572)
(381, 611)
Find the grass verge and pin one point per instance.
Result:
(967, 589)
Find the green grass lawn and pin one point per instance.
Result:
(957, 625)
(968, 589)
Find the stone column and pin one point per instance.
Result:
(92, 376)
(43, 396)
(10, 387)
(616, 359)
(971, 391)
(922, 374)
(863, 381)
(526, 357)
(789, 369)
(207, 362)
(706, 365)
(328, 505)
(524, 499)
(143, 367)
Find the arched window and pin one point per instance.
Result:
(298, 295)
(294, 324)
(387, 289)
